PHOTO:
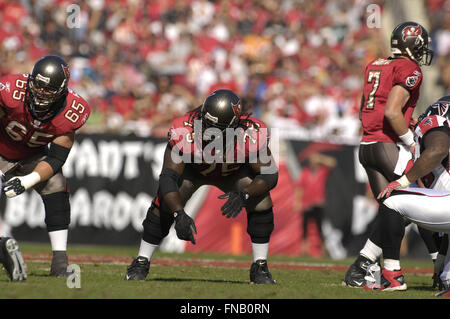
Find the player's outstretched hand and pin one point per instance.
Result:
(18, 184)
(185, 226)
(402, 182)
(13, 187)
(386, 192)
(234, 204)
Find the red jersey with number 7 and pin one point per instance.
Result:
(22, 136)
(380, 76)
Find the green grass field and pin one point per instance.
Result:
(198, 276)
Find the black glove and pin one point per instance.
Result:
(234, 204)
(185, 226)
(13, 187)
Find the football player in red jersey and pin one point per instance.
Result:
(240, 165)
(427, 207)
(391, 91)
(38, 119)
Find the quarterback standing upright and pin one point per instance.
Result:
(391, 91)
(39, 115)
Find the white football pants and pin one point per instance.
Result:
(427, 208)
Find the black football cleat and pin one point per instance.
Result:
(138, 270)
(12, 259)
(259, 273)
(59, 265)
(354, 277)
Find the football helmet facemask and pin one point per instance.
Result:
(411, 39)
(47, 86)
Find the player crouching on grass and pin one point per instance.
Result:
(39, 115)
(427, 207)
(204, 149)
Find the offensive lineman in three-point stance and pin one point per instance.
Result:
(39, 115)
(245, 183)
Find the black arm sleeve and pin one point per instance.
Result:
(168, 181)
(57, 156)
(270, 179)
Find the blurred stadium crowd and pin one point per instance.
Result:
(296, 64)
(439, 13)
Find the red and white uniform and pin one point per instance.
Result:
(381, 75)
(439, 177)
(21, 136)
(428, 207)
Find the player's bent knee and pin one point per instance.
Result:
(57, 211)
(259, 204)
(260, 225)
(156, 227)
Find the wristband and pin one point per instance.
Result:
(408, 138)
(403, 181)
(30, 180)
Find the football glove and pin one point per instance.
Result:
(19, 184)
(234, 204)
(402, 182)
(184, 226)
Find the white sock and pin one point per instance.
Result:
(260, 251)
(391, 264)
(371, 251)
(146, 249)
(58, 239)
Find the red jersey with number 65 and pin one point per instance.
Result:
(21, 135)
(380, 76)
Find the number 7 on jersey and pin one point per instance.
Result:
(373, 77)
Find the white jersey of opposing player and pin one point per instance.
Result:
(439, 178)
(428, 207)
